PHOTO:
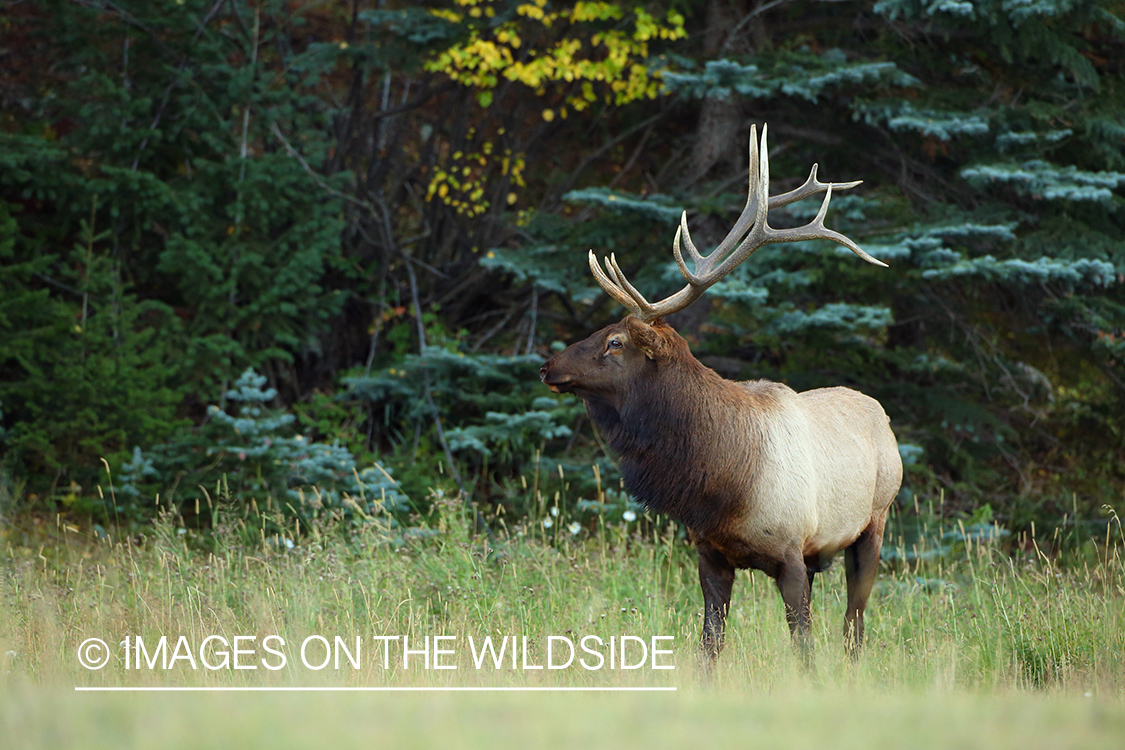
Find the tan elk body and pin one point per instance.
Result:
(762, 476)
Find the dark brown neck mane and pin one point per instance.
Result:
(669, 423)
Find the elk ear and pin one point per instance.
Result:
(645, 337)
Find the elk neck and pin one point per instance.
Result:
(686, 439)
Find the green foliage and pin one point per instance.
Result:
(84, 371)
(514, 433)
(1041, 270)
(188, 191)
(560, 263)
(497, 418)
(175, 197)
(800, 74)
(251, 448)
(928, 123)
(248, 270)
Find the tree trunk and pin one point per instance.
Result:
(718, 139)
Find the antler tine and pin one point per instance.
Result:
(611, 287)
(812, 186)
(638, 298)
(616, 284)
(681, 231)
(696, 258)
(611, 273)
(815, 230)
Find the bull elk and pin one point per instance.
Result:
(762, 476)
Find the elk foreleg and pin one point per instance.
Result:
(794, 581)
(861, 561)
(716, 577)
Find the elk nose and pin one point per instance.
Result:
(543, 372)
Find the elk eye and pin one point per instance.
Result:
(614, 344)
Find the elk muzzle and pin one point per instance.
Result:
(545, 376)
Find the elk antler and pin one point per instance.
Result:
(750, 232)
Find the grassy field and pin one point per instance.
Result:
(979, 647)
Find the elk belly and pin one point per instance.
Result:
(781, 510)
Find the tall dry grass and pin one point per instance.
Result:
(993, 639)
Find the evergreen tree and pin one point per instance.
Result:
(393, 205)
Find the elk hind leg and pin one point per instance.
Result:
(861, 562)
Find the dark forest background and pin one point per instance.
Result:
(310, 255)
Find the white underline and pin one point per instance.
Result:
(229, 689)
